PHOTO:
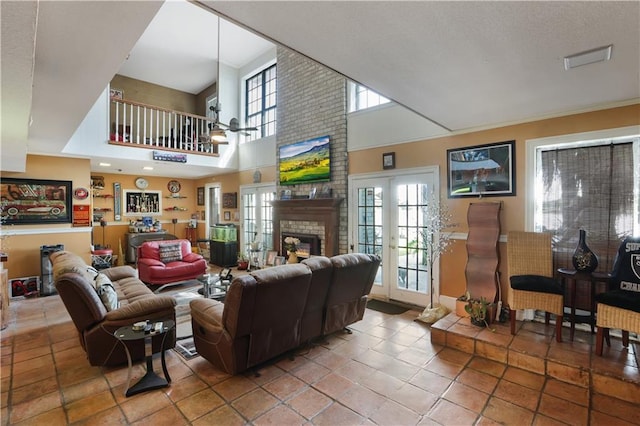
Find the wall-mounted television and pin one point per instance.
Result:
(305, 162)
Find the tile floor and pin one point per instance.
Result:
(388, 372)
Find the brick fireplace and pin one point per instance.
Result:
(326, 211)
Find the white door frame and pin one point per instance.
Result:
(389, 277)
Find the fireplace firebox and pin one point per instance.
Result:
(309, 244)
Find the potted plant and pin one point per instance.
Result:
(243, 262)
(481, 312)
(461, 305)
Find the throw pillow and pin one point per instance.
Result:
(170, 252)
(108, 296)
(100, 280)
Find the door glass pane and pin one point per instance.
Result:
(370, 224)
(214, 205)
(413, 265)
(249, 219)
(266, 219)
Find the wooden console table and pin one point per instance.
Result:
(325, 210)
(571, 277)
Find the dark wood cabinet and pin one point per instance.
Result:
(223, 254)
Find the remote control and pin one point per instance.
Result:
(158, 327)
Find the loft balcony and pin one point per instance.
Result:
(138, 125)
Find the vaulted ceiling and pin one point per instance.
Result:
(463, 65)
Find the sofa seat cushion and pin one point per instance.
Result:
(536, 283)
(622, 299)
(131, 290)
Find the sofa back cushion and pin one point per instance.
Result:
(351, 282)
(65, 261)
(322, 270)
(267, 305)
(170, 249)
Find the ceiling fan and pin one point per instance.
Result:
(217, 134)
(217, 130)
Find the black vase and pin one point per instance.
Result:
(584, 260)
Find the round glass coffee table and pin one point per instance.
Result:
(213, 287)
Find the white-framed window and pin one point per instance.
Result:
(588, 181)
(360, 97)
(260, 103)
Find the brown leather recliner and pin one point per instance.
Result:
(260, 318)
(351, 282)
(74, 281)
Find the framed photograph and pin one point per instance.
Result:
(229, 200)
(325, 192)
(200, 195)
(116, 93)
(389, 160)
(481, 170)
(285, 194)
(30, 201)
(278, 260)
(227, 215)
(24, 287)
(271, 257)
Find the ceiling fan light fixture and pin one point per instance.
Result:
(218, 135)
(599, 54)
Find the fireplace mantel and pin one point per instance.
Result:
(325, 210)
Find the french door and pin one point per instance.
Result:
(256, 221)
(388, 217)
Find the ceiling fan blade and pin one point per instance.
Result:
(234, 126)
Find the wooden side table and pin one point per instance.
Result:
(571, 277)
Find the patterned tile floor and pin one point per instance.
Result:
(388, 372)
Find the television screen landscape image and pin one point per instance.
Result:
(305, 162)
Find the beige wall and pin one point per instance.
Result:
(433, 152)
(24, 250)
(152, 94)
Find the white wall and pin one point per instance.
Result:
(388, 124)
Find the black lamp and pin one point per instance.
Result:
(103, 224)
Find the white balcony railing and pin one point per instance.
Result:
(146, 126)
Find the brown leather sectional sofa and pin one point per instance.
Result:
(275, 310)
(75, 281)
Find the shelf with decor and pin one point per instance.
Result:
(176, 197)
(176, 209)
(101, 209)
(102, 196)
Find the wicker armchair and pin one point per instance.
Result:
(619, 307)
(532, 285)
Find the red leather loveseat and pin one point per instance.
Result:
(169, 261)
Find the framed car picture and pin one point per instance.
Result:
(31, 201)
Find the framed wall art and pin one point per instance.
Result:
(200, 195)
(481, 170)
(305, 162)
(389, 160)
(230, 200)
(33, 201)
